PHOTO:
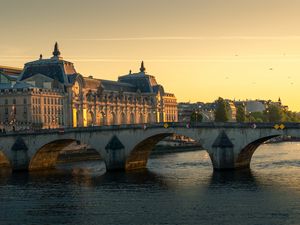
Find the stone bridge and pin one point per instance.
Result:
(127, 147)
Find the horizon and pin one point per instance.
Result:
(198, 50)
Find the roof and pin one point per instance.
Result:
(54, 68)
(91, 83)
(5, 85)
(9, 77)
(22, 85)
(110, 85)
(140, 80)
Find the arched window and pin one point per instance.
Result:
(123, 118)
(102, 118)
(113, 118)
(132, 118)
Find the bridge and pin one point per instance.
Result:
(127, 147)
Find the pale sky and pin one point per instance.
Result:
(197, 49)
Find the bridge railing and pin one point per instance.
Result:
(166, 125)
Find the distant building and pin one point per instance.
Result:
(253, 105)
(231, 110)
(260, 105)
(207, 110)
(50, 93)
(185, 110)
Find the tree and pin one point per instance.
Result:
(289, 116)
(196, 117)
(221, 112)
(258, 117)
(240, 114)
(274, 113)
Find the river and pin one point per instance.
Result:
(179, 188)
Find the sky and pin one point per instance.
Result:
(197, 49)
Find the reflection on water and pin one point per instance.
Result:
(176, 188)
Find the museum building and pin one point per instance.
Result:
(50, 93)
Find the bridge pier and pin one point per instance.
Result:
(20, 158)
(222, 155)
(116, 154)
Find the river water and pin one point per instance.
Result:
(176, 188)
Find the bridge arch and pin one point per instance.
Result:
(139, 155)
(4, 161)
(244, 157)
(46, 157)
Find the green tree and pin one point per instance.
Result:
(257, 117)
(240, 114)
(196, 117)
(274, 113)
(221, 112)
(289, 116)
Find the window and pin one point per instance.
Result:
(24, 101)
(6, 101)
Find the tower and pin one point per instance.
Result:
(56, 52)
(142, 69)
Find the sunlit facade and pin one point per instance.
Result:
(49, 93)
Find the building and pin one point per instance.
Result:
(231, 108)
(206, 110)
(253, 105)
(186, 109)
(50, 93)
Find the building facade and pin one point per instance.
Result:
(50, 93)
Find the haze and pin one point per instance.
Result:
(197, 49)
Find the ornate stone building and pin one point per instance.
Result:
(49, 93)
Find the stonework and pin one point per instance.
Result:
(50, 93)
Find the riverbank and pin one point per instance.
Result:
(282, 139)
(78, 155)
